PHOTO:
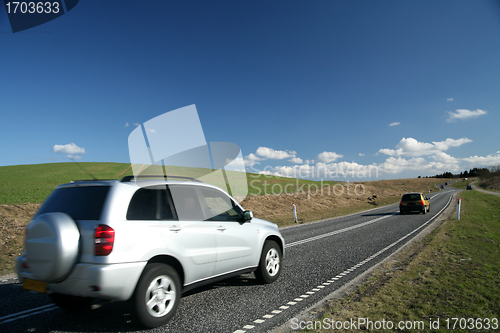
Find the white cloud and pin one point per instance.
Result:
(413, 148)
(395, 165)
(296, 160)
(483, 161)
(324, 170)
(274, 154)
(137, 124)
(327, 157)
(251, 159)
(444, 158)
(395, 123)
(126, 124)
(69, 148)
(449, 99)
(74, 157)
(463, 114)
(361, 154)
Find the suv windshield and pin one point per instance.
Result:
(81, 203)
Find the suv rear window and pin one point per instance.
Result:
(81, 203)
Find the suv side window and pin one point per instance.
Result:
(187, 204)
(220, 206)
(150, 204)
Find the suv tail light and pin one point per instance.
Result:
(104, 240)
(422, 203)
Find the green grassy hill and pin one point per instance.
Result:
(32, 183)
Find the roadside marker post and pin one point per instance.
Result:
(459, 204)
(295, 213)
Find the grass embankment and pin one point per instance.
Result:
(452, 273)
(492, 184)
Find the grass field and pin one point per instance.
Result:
(452, 273)
(33, 183)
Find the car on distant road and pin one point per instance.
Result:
(469, 187)
(414, 202)
(143, 240)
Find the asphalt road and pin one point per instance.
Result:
(320, 258)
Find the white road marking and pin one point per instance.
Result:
(27, 313)
(336, 232)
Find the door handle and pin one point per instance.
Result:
(221, 228)
(175, 229)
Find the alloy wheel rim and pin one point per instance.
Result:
(272, 262)
(160, 296)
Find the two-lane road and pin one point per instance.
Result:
(320, 258)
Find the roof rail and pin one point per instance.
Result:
(130, 178)
(89, 180)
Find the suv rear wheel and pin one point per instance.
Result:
(157, 295)
(270, 263)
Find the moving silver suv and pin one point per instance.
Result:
(146, 241)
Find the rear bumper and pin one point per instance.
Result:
(107, 281)
(406, 209)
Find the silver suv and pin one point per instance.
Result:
(146, 241)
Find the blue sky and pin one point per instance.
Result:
(405, 88)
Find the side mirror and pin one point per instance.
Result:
(427, 198)
(247, 215)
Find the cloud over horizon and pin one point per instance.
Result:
(409, 157)
(413, 148)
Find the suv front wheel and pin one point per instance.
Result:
(270, 263)
(157, 295)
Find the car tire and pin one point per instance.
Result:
(71, 303)
(157, 295)
(270, 264)
(425, 210)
